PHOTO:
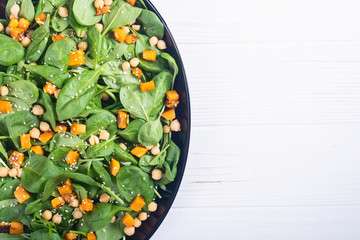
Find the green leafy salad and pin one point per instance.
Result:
(87, 109)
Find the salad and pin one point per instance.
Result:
(87, 109)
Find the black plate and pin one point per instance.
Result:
(182, 139)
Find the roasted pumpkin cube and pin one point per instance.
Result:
(24, 24)
(16, 159)
(49, 88)
(41, 19)
(103, 10)
(149, 55)
(58, 37)
(16, 228)
(169, 114)
(17, 34)
(5, 106)
(119, 35)
(137, 72)
(46, 136)
(65, 189)
(61, 128)
(131, 2)
(147, 86)
(78, 129)
(38, 149)
(91, 236)
(172, 96)
(76, 58)
(72, 158)
(14, 23)
(139, 151)
(25, 141)
(21, 194)
(137, 204)
(173, 104)
(114, 167)
(57, 202)
(70, 236)
(131, 39)
(122, 118)
(128, 220)
(69, 198)
(87, 205)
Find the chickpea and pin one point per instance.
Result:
(4, 91)
(56, 93)
(113, 219)
(63, 12)
(166, 128)
(33, 64)
(155, 150)
(74, 203)
(83, 34)
(46, 215)
(134, 62)
(156, 174)
(152, 207)
(136, 27)
(83, 45)
(123, 146)
(137, 223)
(44, 126)
(93, 140)
(34, 133)
(108, 2)
(13, 172)
(104, 135)
(161, 45)
(77, 214)
(105, 97)
(38, 110)
(126, 29)
(8, 30)
(99, 26)
(175, 125)
(129, 231)
(1, 27)
(143, 216)
(57, 219)
(99, 3)
(153, 41)
(15, 9)
(3, 171)
(25, 42)
(125, 66)
(19, 172)
(104, 198)
(149, 147)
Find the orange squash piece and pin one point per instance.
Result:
(122, 118)
(5, 107)
(16, 159)
(16, 228)
(147, 86)
(103, 10)
(128, 220)
(169, 114)
(57, 202)
(65, 189)
(114, 167)
(173, 104)
(137, 72)
(149, 55)
(38, 149)
(76, 58)
(72, 158)
(49, 88)
(14, 23)
(137, 204)
(131, 2)
(68, 182)
(61, 128)
(21, 194)
(41, 19)
(119, 35)
(70, 236)
(172, 96)
(139, 151)
(78, 129)
(131, 39)
(17, 34)
(58, 37)
(24, 24)
(69, 198)
(91, 236)
(46, 136)
(25, 141)
(87, 205)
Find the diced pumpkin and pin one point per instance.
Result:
(21, 194)
(46, 136)
(128, 220)
(114, 167)
(57, 202)
(131, 2)
(139, 151)
(25, 141)
(69, 198)
(17, 34)
(72, 158)
(41, 19)
(70, 236)
(172, 96)
(16, 159)
(49, 88)
(24, 24)
(119, 35)
(149, 55)
(65, 189)
(14, 23)
(103, 10)
(137, 72)
(131, 39)
(38, 149)
(91, 236)
(76, 58)
(58, 37)
(173, 104)
(68, 182)
(147, 86)
(61, 128)
(137, 204)
(5, 107)
(87, 205)
(122, 118)
(78, 129)
(169, 114)
(16, 228)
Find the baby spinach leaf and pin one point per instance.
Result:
(27, 10)
(67, 140)
(43, 234)
(5, 236)
(40, 39)
(102, 174)
(95, 43)
(33, 206)
(73, 22)
(122, 155)
(169, 167)
(117, 50)
(136, 102)
(131, 132)
(98, 122)
(103, 149)
(50, 113)
(158, 160)
(150, 133)
(154, 67)
(11, 51)
(151, 24)
(116, 78)
(85, 12)
(7, 190)
(121, 14)
(14, 213)
(143, 44)
(43, 7)
(24, 90)
(16, 103)
(49, 73)
(58, 156)
(58, 23)
(58, 54)
(79, 190)
(163, 83)
(113, 231)
(172, 64)
(76, 94)
(97, 219)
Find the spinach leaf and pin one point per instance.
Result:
(76, 94)
(169, 167)
(50, 113)
(103, 149)
(131, 132)
(98, 122)
(7, 190)
(5, 236)
(43, 7)
(163, 83)
(65, 139)
(58, 23)
(40, 39)
(43, 234)
(132, 181)
(97, 219)
(116, 78)
(113, 231)
(49, 73)
(58, 55)
(24, 90)
(136, 102)
(95, 43)
(27, 10)
(122, 155)
(11, 51)
(151, 24)
(121, 14)
(14, 213)
(117, 50)
(150, 133)
(102, 174)
(154, 67)
(143, 44)
(172, 64)
(80, 191)
(85, 12)
(17, 104)
(58, 156)
(73, 22)
(33, 206)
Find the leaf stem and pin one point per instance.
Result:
(4, 137)
(78, 232)
(157, 193)
(108, 190)
(4, 164)
(158, 156)
(90, 160)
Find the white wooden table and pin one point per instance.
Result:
(275, 147)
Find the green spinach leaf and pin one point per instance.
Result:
(40, 39)
(24, 90)
(85, 12)
(11, 51)
(58, 54)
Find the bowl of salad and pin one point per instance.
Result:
(94, 119)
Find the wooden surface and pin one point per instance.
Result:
(275, 147)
